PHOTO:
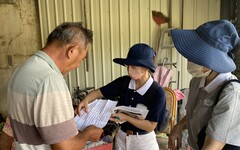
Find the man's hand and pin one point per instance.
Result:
(5, 141)
(78, 142)
(94, 133)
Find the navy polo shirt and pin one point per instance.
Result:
(153, 98)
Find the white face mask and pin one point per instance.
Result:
(197, 70)
(135, 72)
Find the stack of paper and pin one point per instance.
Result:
(132, 111)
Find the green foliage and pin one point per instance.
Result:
(1, 126)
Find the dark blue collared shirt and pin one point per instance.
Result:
(151, 95)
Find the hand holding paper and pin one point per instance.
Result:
(100, 112)
(98, 115)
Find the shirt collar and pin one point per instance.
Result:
(144, 88)
(48, 59)
(222, 77)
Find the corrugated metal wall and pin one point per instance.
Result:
(196, 12)
(117, 25)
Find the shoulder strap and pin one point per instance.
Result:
(202, 134)
(223, 86)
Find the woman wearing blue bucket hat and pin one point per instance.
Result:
(212, 119)
(137, 89)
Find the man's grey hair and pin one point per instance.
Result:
(68, 31)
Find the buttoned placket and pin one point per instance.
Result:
(132, 98)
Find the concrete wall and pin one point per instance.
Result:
(19, 38)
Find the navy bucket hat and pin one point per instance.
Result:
(139, 55)
(209, 45)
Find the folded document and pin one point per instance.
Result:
(135, 112)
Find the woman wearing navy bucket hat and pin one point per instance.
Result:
(212, 117)
(137, 89)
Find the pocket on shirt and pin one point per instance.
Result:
(207, 103)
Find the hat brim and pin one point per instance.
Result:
(192, 47)
(136, 62)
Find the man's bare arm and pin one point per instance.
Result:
(78, 142)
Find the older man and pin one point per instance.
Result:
(40, 105)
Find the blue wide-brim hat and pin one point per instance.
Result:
(209, 45)
(139, 55)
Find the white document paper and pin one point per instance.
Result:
(99, 113)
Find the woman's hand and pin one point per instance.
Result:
(95, 94)
(175, 139)
(139, 123)
(82, 105)
(119, 117)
